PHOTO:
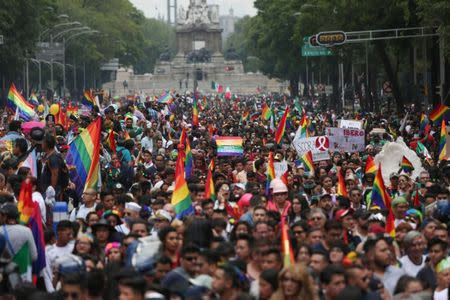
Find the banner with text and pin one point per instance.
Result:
(318, 145)
(347, 140)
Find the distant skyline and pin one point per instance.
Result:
(155, 8)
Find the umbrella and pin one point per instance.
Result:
(27, 126)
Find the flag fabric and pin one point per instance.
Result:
(88, 99)
(189, 160)
(371, 168)
(406, 165)
(380, 196)
(341, 188)
(30, 215)
(298, 106)
(288, 254)
(219, 88)
(442, 141)
(281, 127)
(210, 192)
(111, 141)
(33, 99)
(228, 93)
(307, 160)
(390, 223)
(83, 157)
(71, 109)
(194, 112)
(229, 146)
(416, 199)
(245, 116)
(31, 163)
(181, 198)
(439, 113)
(421, 149)
(17, 102)
(270, 172)
(165, 98)
(423, 122)
(266, 112)
(304, 127)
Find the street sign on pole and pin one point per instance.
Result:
(310, 50)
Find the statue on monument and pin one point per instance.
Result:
(181, 16)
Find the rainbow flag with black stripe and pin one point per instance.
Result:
(181, 198)
(406, 165)
(442, 142)
(281, 126)
(16, 102)
(210, 192)
(88, 99)
(83, 158)
(439, 113)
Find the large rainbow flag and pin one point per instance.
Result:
(229, 146)
(181, 198)
(83, 158)
(281, 126)
(266, 112)
(16, 102)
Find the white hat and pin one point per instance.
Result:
(133, 206)
(161, 214)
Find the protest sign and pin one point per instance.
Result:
(357, 124)
(318, 145)
(347, 140)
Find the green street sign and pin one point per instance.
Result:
(308, 50)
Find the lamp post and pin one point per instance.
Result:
(46, 31)
(38, 62)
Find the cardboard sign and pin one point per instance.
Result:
(357, 124)
(318, 145)
(347, 140)
(280, 168)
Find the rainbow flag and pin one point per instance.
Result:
(229, 146)
(288, 254)
(442, 142)
(88, 99)
(111, 141)
(270, 172)
(266, 112)
(281, 126)
(83, 157)
(194, 112)
(189, 160)
(165, 98)
(307, 160)
(439, 113)
(33, 99)
(406, 165)
(245, 116)
(16, 102)
(304, 127)
(30, 215)
(210, 192)
(181, 198)
(370, 166)
(71, 109)
(423, 122)
(380, 196)
(341, 188)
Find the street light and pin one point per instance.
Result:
(68, 30)
(46, 31)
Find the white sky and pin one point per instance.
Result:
(152, 8)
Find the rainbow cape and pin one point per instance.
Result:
(181, 198)
(83, 158)
(16, 102)
(229, 146)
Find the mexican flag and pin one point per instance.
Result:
(23, 260)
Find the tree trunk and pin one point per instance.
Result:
(380, 46)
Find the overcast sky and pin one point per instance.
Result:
(152, 8)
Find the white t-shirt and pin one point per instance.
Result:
(409, 267)
(81, 212)
(37, 197)
(54, 252)
(442, 295)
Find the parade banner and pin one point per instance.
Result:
(229, 146)
(356, 124)
(347, 140)
(318, 145)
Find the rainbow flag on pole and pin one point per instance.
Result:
(288, 254)
(83, 158)
(439, 113)
(165, 98)
(266, 112)
(270, 172)
(210, 192)
(229, 146)
(16, 102)
(195, 112)
(307, 160)
(442, 142)
(370, 166)
(88, 99)
(181, 198)
(281, 127)
(380, 196)
(406, 165)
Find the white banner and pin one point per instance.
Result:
(318, 145)
(347, 140)
(280, 168)
(357, 124)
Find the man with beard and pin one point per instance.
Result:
(379, 257)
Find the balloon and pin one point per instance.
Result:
(40, 108)
(54, 109)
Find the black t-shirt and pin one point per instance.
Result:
(54, 161)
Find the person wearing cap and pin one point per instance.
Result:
(399, 207)
(443, 280)
(414, 244)
(131, 213)
(160, 220)
(279, 202)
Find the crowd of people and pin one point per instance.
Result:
(124, 239)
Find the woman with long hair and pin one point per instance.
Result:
(294, 282)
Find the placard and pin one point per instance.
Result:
(347, 140)
(357, 124)
(280, 168)
(318, 145)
